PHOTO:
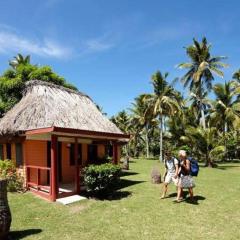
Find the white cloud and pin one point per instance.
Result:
(95, 45)
(14, 43)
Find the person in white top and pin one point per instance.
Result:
(171, 171)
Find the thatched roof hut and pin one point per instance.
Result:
(47, 105)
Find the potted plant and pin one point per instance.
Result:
(5, 213)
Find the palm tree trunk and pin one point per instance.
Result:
(147, 142)
(160, 139)
(209, 162)
(225, 140)
(135, 147)
(203, 118)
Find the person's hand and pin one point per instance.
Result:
(175, 176)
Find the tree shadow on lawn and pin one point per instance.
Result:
(226, 167)
(16, 235)
(132, 161)
(128, 173)
(127, 183)
(118, 194)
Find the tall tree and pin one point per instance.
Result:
(201, 70)
(163, 102)
(142, 117)
(226, 109)
(13, 79)
(122, 121)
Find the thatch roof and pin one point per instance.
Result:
(47, 105)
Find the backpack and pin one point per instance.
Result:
(194, 167)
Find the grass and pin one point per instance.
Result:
(137, 211)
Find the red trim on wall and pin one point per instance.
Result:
(76, 131)
(39, 130)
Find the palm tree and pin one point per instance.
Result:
(122, 120)
(236, 75)
(142, 117)
(198, 105)
(201, 70)
(226, 107)
(18, 60)
(225, 113)
(163, 102)
(181, 121)
(206, 142)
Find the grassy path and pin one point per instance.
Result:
(137, 212)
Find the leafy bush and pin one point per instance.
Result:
(101, 179)
(8, 172)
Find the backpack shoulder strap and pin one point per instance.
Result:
(174, 158)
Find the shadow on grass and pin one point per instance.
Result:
(127, 173)
(127, 183)
(227, 167)
(15, 235)
(171, 195)
(132, 161)
(117, 194)
(186, 199)
(196, 200)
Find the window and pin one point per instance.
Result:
(72, 154)
(1, 152)
(9, 151)
(19, 155)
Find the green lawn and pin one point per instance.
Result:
(137, 212)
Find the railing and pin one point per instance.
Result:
(35, 172)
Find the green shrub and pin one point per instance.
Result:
(8, 172)
(101, 179)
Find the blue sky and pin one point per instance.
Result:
(109, 49)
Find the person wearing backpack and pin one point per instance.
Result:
(171, 171)
(185, 178)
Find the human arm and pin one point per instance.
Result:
(177, 168)
(165, 173)
(186, 166)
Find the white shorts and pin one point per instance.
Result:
(170, 178)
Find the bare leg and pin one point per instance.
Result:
(179, 194)
(165, 188)
(191, 193)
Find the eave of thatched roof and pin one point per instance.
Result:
(45, 105)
